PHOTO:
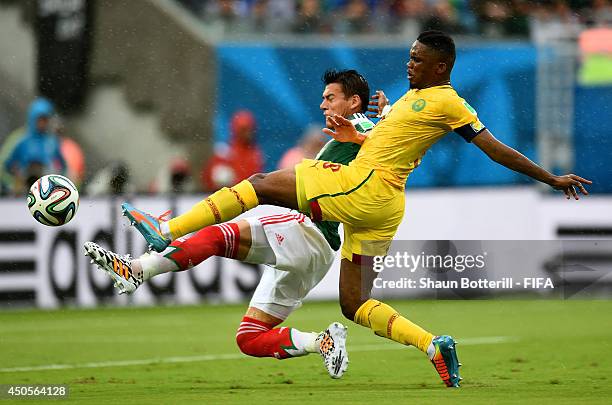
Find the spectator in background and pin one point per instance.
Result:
(382, 17)
(600, 14)
(553, 20)
(309, 145)
(223, 15)
(407, 16)
(492, 15)
(38, 152)
(491, 18)
(270, 16)
(234, 162)
(281, 15)
(113, 179)
(257, 20)
(225, 10)
(309, 19)
(180, 176)
(175, 179)
(7, 179)
(518, 24)
(499, 18)
(596, 56)
(72, 153)
(443, 17)
(354, 18)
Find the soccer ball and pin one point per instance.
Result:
(53, 200)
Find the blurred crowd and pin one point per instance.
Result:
(41, 147)
(491, 18)
(242, 157)
(37, 148)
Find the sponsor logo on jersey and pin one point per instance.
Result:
(279, 238)
(419, 105)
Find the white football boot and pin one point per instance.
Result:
(331, 344)
(119, 268)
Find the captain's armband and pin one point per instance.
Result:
(469, 131)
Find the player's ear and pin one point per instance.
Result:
(441, 68)
(355, 101)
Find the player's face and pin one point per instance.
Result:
(335, 102)
(423, 66)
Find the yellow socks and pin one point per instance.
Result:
(387, 322)
(221, 206)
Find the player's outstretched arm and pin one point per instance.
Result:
(514, 160)
(343, 130)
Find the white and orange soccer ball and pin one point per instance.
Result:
(53, 200)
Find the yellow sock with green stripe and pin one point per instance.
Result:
(221, 206)
(387, 322)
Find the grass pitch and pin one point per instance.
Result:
(514, 351)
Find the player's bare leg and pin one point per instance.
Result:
(355, 287)
(277, 188)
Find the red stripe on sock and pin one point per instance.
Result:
(235, 234)
(230, 239)
(216, 240)
(258, 339)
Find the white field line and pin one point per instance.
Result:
(487, 340)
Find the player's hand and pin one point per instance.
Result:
(377, 102)
(343, 130)
(568, 184)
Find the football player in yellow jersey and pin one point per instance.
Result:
(367, 196)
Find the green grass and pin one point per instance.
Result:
(562, 353)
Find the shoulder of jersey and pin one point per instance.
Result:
(361, 122)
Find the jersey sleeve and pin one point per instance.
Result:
(463, 119)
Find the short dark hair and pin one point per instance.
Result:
(441, 43)
(352, 83)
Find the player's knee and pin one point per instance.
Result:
(256, 179)
(260, 186)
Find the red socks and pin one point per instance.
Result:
(216, 240)
(258, 339)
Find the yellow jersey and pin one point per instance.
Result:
(415, 122)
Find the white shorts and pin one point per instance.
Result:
(298, 255)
